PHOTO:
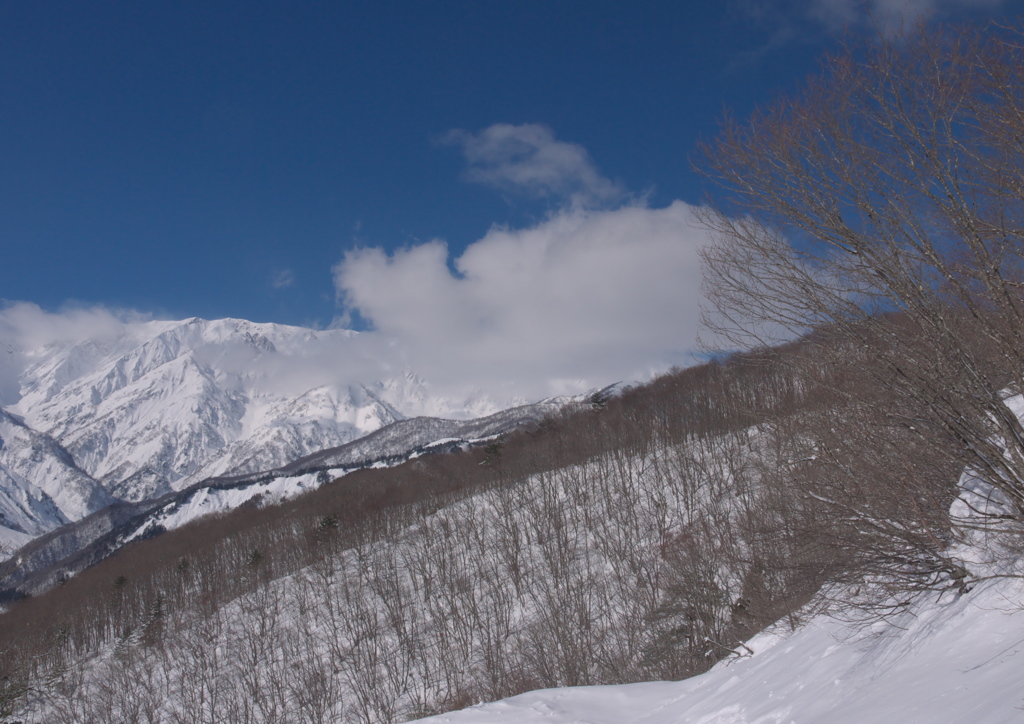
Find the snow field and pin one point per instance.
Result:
(945, 660)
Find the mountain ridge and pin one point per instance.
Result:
(145, 409)
(67, 550)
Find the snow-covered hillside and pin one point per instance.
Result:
(603, 546)
(147, 408)
(946, 659)
(942, 656)
(37, 457)
(25, 511)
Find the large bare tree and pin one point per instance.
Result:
(881, 208)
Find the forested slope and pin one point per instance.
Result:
(635, 538)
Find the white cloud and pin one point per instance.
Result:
(26, 326)
(528, 159)
(592, 295)
(282, 279)
(584, 298)
(889, 14)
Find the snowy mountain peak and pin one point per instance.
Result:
(146, 408)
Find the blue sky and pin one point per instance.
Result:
(244, 158)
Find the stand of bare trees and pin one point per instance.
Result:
(622, 544)
(611, 545)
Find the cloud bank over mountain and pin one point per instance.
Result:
(603, 289)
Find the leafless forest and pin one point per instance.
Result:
(637, 538)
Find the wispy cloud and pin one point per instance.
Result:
(26, 326)
(889, 14)
(780, 24)
(282, 279)
(528, 159)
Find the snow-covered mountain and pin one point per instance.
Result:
(25, 511)
(37, 457)
(71, 548)
(153, 407)
(147, 411)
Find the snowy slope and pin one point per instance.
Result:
(25, 512)
(283, 430)
(70, 549)
(944, 660)
(37, 457)
(945, 657)
(390, 445)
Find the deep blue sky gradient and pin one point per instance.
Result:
(173, 157)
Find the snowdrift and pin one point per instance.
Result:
(944, 659)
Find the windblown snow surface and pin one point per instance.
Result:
(948, 659)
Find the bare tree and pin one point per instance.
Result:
(879, 212)
(202, 685)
